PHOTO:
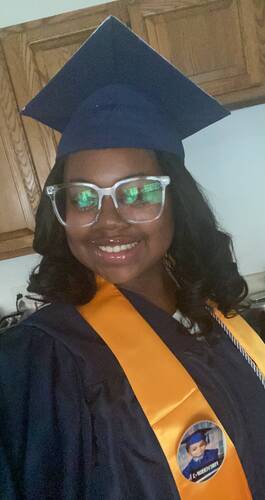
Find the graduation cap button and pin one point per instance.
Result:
(201, 451)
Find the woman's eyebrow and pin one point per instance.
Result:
(81, 179)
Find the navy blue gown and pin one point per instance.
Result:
(72, 429)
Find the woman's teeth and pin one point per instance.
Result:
(118, 248)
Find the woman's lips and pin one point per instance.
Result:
(117, 252)
(117, 248)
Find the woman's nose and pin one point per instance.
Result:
(109, 215)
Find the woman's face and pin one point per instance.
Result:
(92, 245)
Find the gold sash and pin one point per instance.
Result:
(246, 338)
(168, 395)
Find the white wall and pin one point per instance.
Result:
(227, 159)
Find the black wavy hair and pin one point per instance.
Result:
(201, 257)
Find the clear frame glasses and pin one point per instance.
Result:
(137, 200)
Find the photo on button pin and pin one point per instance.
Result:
(201, 451)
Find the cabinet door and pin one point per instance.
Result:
(34, 52)
(217, 43)
(19, 189)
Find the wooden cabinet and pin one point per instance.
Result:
(220, 44)
(30, 54)
(19, 188)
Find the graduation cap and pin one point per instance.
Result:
(196, 436)
(116, 91)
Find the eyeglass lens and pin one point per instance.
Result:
(138, 201)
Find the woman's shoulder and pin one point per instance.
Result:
(55, 330)
(39, 325)
(41, 388)
(54, 340)
(54, 347)
(42, 353)
(26, 342)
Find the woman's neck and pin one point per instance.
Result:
(157, 286)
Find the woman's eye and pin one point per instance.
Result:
(130, 195)
(152, 197)
(150, 193)
(85, 199)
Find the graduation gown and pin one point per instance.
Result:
(71, 427)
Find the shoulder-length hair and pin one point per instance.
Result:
(201, 257)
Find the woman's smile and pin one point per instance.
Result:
(118, 252)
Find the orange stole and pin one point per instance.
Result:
(168, 395)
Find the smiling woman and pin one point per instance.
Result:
(127, 355)
(203, 267)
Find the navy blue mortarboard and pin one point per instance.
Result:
(116, 91)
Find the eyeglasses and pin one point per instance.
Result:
(137, 200)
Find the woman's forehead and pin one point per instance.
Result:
(105, 166)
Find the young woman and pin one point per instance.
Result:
(102, 385)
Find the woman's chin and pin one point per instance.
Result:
(118, 276)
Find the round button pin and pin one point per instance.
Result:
(201, 451)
